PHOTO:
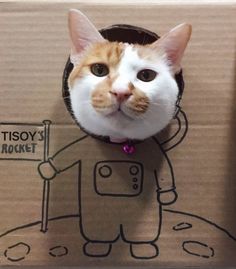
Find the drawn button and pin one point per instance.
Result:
(134, 169)
(105, 171)
(135, 186)
(135, 179)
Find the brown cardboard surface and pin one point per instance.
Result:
(200, 228)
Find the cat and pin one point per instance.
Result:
(124, 92)
(129, 90)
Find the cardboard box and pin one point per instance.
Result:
(41, 221)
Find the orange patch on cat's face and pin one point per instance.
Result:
(139, 102)
(109, 53)
(101, 99)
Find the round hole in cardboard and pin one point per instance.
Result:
(121, 33)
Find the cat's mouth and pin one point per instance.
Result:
(120, 113)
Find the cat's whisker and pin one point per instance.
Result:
(159, 104)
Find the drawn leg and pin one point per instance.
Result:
(143, 238)
(99, 237)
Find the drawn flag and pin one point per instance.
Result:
(24, 141)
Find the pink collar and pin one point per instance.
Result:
(128, 146)
(118, 140)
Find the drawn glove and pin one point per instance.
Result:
(167, 197)
(47, 170)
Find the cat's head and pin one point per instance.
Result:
(120, 90)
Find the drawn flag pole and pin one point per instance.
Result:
(28, 142)
(46, 183)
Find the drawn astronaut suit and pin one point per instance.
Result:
(120, 194)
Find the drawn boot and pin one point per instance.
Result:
(144, 251)
(97, 249)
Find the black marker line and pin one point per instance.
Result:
(15, 245)
(144, 258)
(21, 159)
(168, 161)
(58, 255)
(122, 234)
(46, 183)
(182, 226)
(96, 255)
(203, 219)
(196, 254)
(45, 206)
(81, 217)
(68, 167)
(21, 124)
(64, 217)
(68, 145)
(46, 138)
(156, 179)
(37, 223)
(21, 243)
(96, 240)
(20, 227)
(175, 134)
(184, 134)
(160, 225)
(17, 259)
(107, 162)
(14, 260)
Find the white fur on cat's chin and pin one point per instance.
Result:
(162, 93)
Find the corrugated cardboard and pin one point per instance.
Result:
(199, 229)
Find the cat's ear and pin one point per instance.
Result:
(174, 44)
(82, 34)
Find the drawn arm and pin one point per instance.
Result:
(62, 160)
(165, 180)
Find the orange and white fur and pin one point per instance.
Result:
(124, 91)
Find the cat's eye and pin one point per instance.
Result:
(146, 75)
(99, 70)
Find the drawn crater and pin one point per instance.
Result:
(58, 251)
(198, 249)
(182, 226)
(17, 252)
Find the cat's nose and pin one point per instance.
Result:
(121, 95)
